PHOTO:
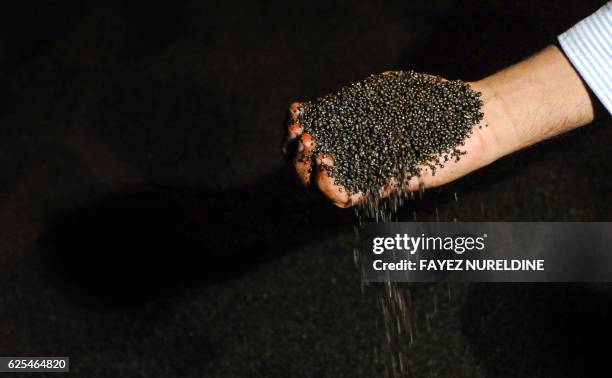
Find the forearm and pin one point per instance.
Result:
(539, 98)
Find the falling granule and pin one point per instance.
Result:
(387, 127)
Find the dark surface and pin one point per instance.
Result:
(148, 226)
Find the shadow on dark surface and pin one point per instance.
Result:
(561, 329)
(150, 241)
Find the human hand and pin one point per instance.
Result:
(298, 146)
(534, 100)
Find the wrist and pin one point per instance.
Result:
(497, 118)
(536, 99)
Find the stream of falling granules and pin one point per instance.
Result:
(387, 128)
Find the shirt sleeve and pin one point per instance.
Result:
(588, 46)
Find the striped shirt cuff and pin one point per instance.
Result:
(588, 45)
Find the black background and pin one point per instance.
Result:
(149, 226)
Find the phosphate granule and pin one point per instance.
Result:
(388, 126)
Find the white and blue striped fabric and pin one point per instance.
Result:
(588, 45)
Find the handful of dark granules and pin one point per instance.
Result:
(389, 125)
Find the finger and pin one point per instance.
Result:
(290, 141)
(302, 160)
(437, 78)
(294, 128)
(327, 185)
